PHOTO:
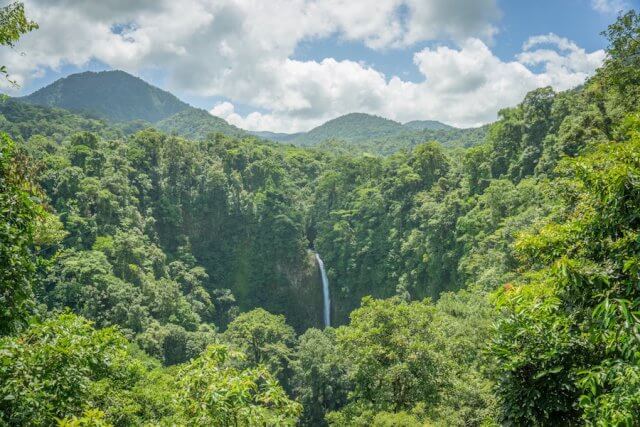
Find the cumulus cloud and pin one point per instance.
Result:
(463, 86)
(565, 66)
(230, 41)
(243, 50)
(257, 120)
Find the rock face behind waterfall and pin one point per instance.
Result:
(304, 295)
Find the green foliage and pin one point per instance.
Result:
(462, 327)
(19, 215)
(622, 63)
(182, 245)
(23, 122)
(197, 124)
(365, 219)
(580, 320)
(365, 133)
(427, 124)
(351, 127)
(265, 339)
(567, 334)
(319, 377)
(49, 371)
(398, 419)
(90, 418)
(390, 353)
(63, 369)
(414, 363)
(13, 24)
(214, 393)
(540, 386)
(137, 210)
(112, 95)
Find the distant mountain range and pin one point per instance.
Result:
(427, 125)
(355, 129)
(276, 136)
(195, 123)
(370, 133)
(118, 97)
(349, 128)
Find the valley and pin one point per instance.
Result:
(161, 266)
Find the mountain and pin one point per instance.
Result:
(112, 95)
(358, 132)
(129, 103)
(195, 123)
(427, 125)
(22, 121)
(349, 128)
(276, 136)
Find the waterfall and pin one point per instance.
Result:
(325, 292)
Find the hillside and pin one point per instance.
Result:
(112, 95)
(427, 124)
(449, 138)
(365, 133)
(276, 136)
(121, 98)
(195, 123)
(350, 127)
(21, 121)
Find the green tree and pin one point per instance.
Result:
(319, 375)
(50, 370)
(212, 392)
(623, 59)
(265, 339)
(20, 213)
(462, 326)
(568, 332)
(13, 24)
(391, 355)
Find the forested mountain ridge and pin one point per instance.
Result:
(22, 121)
(112, 95)
(128, 102)
(155, 280)
(449, 138)
(359, 132)
(195, 123)
(350, 127)
(427, 124)
(276, 136)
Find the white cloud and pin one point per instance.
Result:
(257, 120)
(464, 86)
(223, 109)
(567, 66)
(609, 6)
(242, 50)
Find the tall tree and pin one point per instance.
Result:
(19, 215)
(13, 24)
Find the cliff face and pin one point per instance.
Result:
(304, 294)
(293, 289)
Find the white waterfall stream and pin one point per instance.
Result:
(325, 292)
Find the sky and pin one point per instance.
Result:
(290, 65)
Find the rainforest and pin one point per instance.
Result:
(161, 266)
